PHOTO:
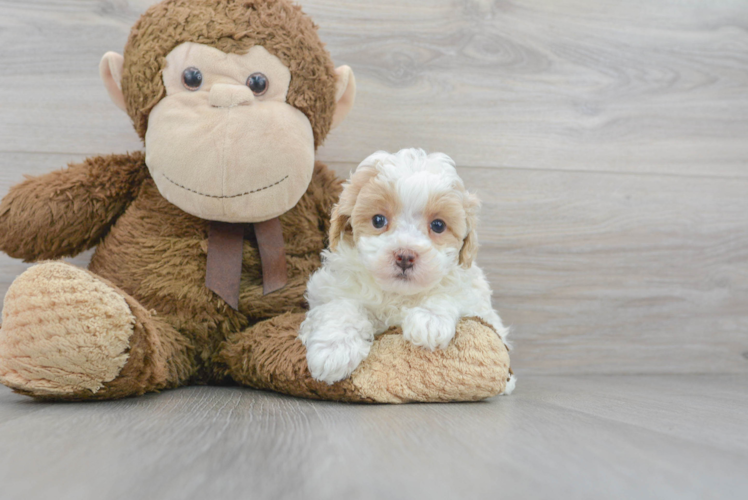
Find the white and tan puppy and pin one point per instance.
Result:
(402, 245)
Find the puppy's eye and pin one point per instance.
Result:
(379, 221)
(192, 78)
(438, 225)
(257, 83)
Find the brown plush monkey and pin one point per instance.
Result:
(231, 98)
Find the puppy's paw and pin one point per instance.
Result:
(331, 362)
(337, 336)
(427, 329)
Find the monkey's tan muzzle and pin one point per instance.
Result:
(223, 95)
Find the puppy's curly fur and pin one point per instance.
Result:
(402, 247)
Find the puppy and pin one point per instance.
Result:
(402, 245)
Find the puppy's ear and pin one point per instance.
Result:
(469, 248)
(340, 223)
(339, 227)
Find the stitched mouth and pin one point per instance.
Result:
(223, 197)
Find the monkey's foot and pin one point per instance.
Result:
(65, 332)
(474, 366)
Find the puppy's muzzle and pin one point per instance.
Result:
(405, 259)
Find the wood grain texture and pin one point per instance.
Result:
(637, 86)
(603, 273)
(659, 437)
(607, 140)
(633, 86)
(616, 273)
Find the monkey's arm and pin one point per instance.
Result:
(65, 212)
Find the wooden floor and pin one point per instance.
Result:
(659, 437)
(608, 140)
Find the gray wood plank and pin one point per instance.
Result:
(633, 86)
(556, 437)
(714, 406)
(616, 273)
(576, 85)
(596, 272)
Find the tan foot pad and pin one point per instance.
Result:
(63, 331)
(474, 366)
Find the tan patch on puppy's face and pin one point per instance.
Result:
(407, 255)
(448, 208)
(377, 197)
(340, 227)
(410, 226)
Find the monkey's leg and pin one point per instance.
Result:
(68, 334)
(474, 366)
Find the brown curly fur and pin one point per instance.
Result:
(232, 26)
(68, 211)
(475, 366)
(270, 356)
(156, 253)
(153, 254)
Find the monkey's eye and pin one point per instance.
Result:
(192, 78)
(379, 221)
(438, 225)
(257, 83)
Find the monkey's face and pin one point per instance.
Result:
(223, 144)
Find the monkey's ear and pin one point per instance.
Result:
(345, 94)
(110, 69)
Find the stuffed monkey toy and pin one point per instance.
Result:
(205, 241)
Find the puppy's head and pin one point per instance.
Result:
(410, 218)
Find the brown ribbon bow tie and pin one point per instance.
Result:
(224, 268)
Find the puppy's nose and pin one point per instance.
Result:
(405, 259)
